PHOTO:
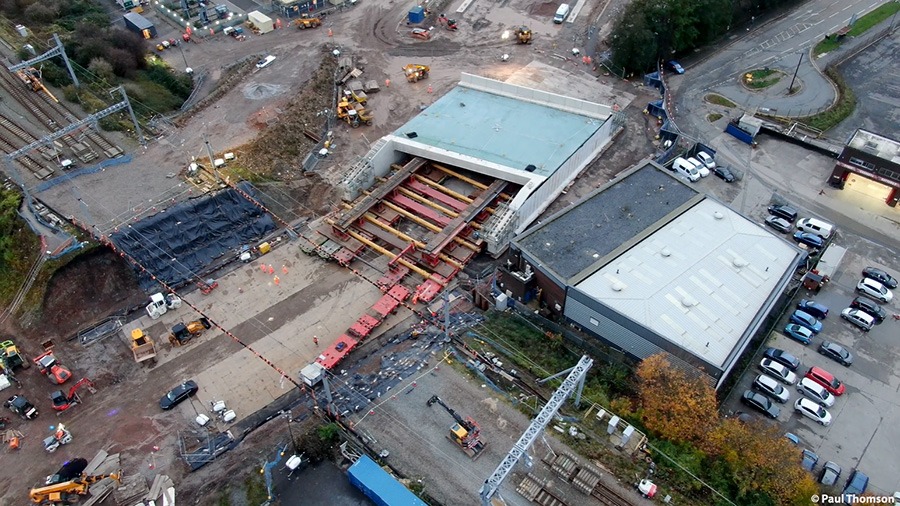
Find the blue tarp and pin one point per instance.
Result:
(379, 486)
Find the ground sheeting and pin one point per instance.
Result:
(584, 233)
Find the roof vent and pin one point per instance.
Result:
(666, 252)
(689, 301)
(739, 262)
(617, 286)
(718, 215)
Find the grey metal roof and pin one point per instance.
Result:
(584, 233)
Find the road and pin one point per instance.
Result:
(778, 44)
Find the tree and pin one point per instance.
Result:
(676, 406)
(761, 460)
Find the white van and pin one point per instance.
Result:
(561, 13)
(686, 169)
(814, 226)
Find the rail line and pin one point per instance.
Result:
(25, 137)
(26, 161)
(608, 496)
(105, 146)
(547, 498)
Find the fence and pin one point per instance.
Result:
(46, 185)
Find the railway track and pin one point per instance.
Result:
(105, 146)
(26, 161)
(608, 496)
(547, 498)
(25, 137)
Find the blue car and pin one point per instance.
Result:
(811, 240)
(806, 320)
(813, 308)
(798, 333)
(675, 67)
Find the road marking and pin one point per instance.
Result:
(833, 15)
(769, 59)
(845, 8)
(835, 27)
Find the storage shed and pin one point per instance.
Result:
(137, 23)
(379, 486)
(262, 22)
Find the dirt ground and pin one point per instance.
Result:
(99, 284)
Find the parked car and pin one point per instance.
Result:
(826, 379)
(761, 403)
(782, 357)
(780, 224)
(813, 410)
(859, 318)
(778, 371)
(831, 472)
(836, 352)
(265, 62)
(786, 212)
(771, 387)
(815, 392)
(809, 461)
(867, 305)
(881, 276)
(813, 308)
(674, 67)
(857, 483)
(724, 173)
(706, 160)
(807, 320)
(702, 169)
(811, 240)
(178, 394)
(874, 289)
(798, 333)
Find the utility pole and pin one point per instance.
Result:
(290, 418)
(212, 158)
(791, 87)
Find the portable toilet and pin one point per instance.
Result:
(417, 14)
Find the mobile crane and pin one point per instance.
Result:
(465, 432)
(67, 492)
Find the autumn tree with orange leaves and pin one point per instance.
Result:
(673, 405)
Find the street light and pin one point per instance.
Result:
(791, 87)
(290, 418)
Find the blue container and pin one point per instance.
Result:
(417, 14)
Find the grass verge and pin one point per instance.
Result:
(712, 118)
(844, 107)
(861, 26)
(712, 98)
(761, 78)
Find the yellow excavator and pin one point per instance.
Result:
(523, 34)
(353, 114)
(68, 491)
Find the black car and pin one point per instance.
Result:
(786, 212)
(870, 307)
(724, 173)
(812, 307)
(760, 402)
(178, 394)
(836, 352)
(782, 357)
(880, 276)
(780, 224)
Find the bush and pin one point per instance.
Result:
(841, 110)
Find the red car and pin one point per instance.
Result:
(826, 379)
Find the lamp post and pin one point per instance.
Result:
(791, 87)
(290, 418)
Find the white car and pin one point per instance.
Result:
(265, 62)
(815, 392)
(705, 159)
(811, 409)
(858, 318)
(771, 387)
(778, 371)
(871, 288)
(701, 168)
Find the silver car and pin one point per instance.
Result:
(815, 392)
(772, 388)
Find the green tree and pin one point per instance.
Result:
(10, 223)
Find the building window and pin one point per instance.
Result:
(595, 322)
(862, 163)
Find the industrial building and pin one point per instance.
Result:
(647, 264)
(874, 157)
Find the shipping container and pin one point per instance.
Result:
(738, 133)
(417, 14)
(379, 486)
(137, 23)
(262, 22)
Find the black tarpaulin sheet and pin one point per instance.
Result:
(181, 243)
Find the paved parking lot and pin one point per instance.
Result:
(866, 418)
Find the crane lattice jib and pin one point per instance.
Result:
(534, 430)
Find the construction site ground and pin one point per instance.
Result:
(312, 298)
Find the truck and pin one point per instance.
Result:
(139, 24)
(160, 304)
(142, 346)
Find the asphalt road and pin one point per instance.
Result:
(778, 44)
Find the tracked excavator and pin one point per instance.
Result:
(62, 401)
(465, 432)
